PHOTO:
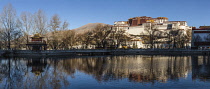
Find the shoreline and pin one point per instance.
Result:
(92, 52)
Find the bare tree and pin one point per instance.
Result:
(119, 37)
(40, 21)
(101, 34)
(150, 35)
(65, 25)
(68, 39)
(86, 39)
(59, 36)
(179, 38)
(2, 39)
(55, 23)
(25, 27)
(17, 40)
(207, 38)
(26, 24)
(174, 37)
(8, 19)
(197, 39)
(53, 40)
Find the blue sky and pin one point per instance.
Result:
(81, 12)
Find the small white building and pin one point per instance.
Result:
(201, 37)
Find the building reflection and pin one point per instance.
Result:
(54, 73)
(201, 68)
(38, 65)
(135, 68)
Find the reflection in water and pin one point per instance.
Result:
(57, 73)
(135, 68)
(23, 73)
(37, 65)
(201, 68)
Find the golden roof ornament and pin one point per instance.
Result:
(37, 35)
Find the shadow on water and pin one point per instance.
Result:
(37, 73)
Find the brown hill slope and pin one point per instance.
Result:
(80, 30)
(87, 27)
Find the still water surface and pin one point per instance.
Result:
(107, 72)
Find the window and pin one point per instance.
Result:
(169, 26)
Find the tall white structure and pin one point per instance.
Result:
(138, 26)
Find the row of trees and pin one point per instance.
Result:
(104, 36)
(15, 30)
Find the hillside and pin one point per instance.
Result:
(80, 30)
(87, 27)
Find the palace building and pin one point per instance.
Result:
(137, 27)
(36, 43)
(136, 21)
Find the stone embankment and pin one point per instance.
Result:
(104, 52)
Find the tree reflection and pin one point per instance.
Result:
(37, 65)
(135, 68)
(11, 73)
(24, 73)
(201, 68)
(38, 73)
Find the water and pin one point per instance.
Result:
(108, 72)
